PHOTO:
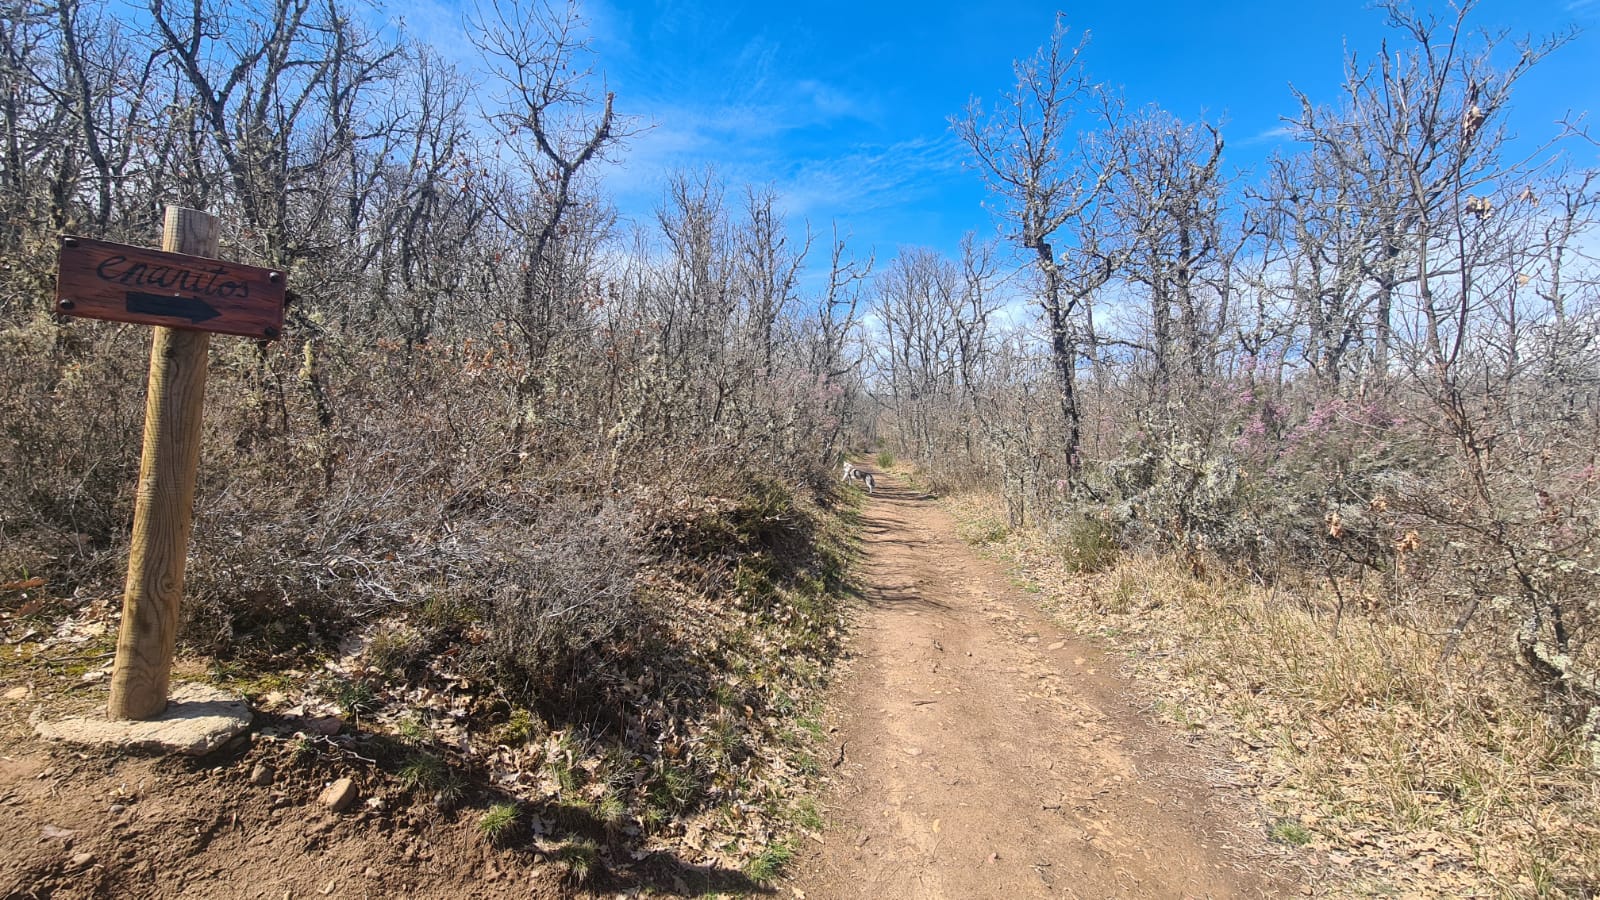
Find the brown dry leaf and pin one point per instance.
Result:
(25, 585)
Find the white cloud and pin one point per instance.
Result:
(1270, 135)
(788, 135)
(869, 178)
(829, 102)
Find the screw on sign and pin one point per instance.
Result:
(187, 294)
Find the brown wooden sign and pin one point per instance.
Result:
(102, 280)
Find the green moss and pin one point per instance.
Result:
(522, 728)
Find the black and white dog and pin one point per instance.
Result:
(851, 473)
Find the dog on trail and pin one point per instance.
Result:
(851, 473)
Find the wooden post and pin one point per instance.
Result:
(164, 507)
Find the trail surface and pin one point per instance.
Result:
(988, 754)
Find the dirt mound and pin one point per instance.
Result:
(85, 826)
(252, 821)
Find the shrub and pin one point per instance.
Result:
(554, 599)
(1088, 544)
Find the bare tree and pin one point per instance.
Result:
(919, 309)
(1167, 213)
(1453, 258)
(1308, 217)
(553, 125)
(1027, 150)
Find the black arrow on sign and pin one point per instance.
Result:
(171, 307)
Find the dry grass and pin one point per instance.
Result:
(1401, 770)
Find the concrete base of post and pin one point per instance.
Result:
(198, 719)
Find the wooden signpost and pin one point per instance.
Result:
(187, 294)
(102, 280)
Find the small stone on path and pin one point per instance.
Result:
(261, 775)
(326, 725)
(339, 795)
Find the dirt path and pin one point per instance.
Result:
(989, 754)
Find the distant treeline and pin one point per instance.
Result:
(1376, 362)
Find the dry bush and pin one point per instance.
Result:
(662, 623)
(1412, 763)
(70, 436)
(560, 590)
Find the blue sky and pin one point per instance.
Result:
(843, 107)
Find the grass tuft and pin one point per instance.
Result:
(428, 773)
(355, 697)
(582, 859)
(1288, 831)
(770, 863)
(499, 823)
